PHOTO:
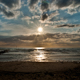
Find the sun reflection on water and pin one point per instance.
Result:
(38, 48)
(39, 55)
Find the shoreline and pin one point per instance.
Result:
(20, 66)
(39, 70)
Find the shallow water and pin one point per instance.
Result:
(41, 54)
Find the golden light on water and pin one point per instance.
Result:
(39, 48)
(39, 55)
(40, 29)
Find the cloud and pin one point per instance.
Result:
(47, 7)
(44, 16)
(2, 43)
(67, 3)
(26, 18)
(11, 29)
(32, 3)
(7, 13)
(36, 16)
(78, 31)
(9, 8)
(47, 40)
(78, 39)
(76, 3)
(68, 25)
(11, 3)
(52, 21)
(72, 11)
(63, 3)
(71, 5)
(48, 17)
(44, 5)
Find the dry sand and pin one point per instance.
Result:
(39, 71)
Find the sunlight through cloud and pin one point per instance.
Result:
(40, 29)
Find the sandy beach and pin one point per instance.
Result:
(39, 71)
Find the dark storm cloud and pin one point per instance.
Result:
(68, 25)
(44, 8)
(10, 3)
(44, 5)
(44, 17)
(32, 3)
(78, 39)
(7, 13)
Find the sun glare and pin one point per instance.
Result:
(40, 29)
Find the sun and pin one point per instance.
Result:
(40, 29)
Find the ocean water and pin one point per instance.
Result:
(40, 54)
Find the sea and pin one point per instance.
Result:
(40, 54)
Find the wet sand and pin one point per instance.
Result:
(39, 71)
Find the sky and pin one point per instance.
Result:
(23, 17)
